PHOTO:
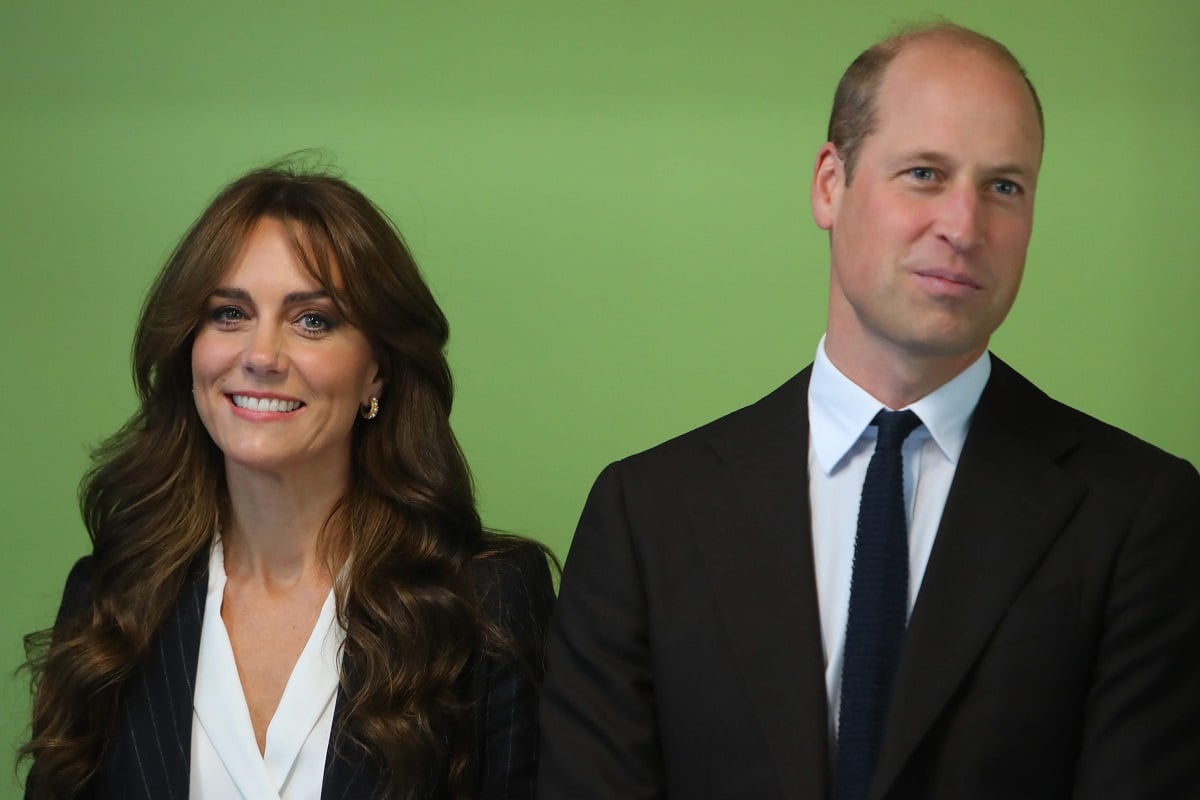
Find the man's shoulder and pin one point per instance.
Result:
(781, 414)
(1074, 436)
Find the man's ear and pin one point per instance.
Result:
(829, 178)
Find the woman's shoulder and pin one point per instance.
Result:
(504, 556)
(78, 590)
(513, 581)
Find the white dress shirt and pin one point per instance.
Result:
(226, 762)
(841, 443)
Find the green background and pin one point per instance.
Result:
(610, 200)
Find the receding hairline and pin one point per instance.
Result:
(854, 116)
(968, 39)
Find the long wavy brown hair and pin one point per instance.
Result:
(156, 492)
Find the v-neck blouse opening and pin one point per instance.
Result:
(225, 756)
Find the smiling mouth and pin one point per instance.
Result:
(264, 403)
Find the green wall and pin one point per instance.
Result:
(609, 199)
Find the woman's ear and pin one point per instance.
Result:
(382, 367)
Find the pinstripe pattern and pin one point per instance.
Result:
(517, 594)
(148, 757)
(156, 708)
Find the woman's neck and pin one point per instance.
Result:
(274, 523)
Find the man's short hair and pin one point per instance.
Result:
(854, 103)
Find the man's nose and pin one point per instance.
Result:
(958, 218)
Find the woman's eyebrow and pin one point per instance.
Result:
(291, 298)
(231, 294)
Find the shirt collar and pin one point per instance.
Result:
(839, 410)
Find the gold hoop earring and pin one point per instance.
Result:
(371, 411)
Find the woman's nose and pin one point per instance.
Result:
(265, 352)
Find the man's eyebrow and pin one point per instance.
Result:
(292, 298)
(924, 156)
(1009, 169)
(942, 160)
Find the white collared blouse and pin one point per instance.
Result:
(226, 762)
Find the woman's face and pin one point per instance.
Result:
(277, 373)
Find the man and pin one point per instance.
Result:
(716, 607)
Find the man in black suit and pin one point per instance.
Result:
(1052, 645)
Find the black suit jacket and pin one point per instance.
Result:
(149, 753)
(1053, 651)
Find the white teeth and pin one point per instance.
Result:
(265, 403)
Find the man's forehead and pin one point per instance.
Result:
(935, 87)
(938, 56)
(934, 56)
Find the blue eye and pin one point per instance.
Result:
(922, 173)
(226, 316)
(312, 322)
(1006, 187)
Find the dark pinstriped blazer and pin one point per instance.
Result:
(149, 750)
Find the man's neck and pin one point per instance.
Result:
(893, 376)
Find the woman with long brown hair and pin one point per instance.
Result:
(290, 592)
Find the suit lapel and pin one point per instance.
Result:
(153, 738)
(1006, 506)
(349, 773)
(753, 528)
(153, 759)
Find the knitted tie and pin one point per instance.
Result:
(878, 608)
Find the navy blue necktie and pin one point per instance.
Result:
(878, 608)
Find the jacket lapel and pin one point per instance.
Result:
(349, 773)
(152, 753)
(153, 760)
(753, 528)
(1007, 504)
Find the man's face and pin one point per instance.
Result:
(928, 240)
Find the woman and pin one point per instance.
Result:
(290, 593)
